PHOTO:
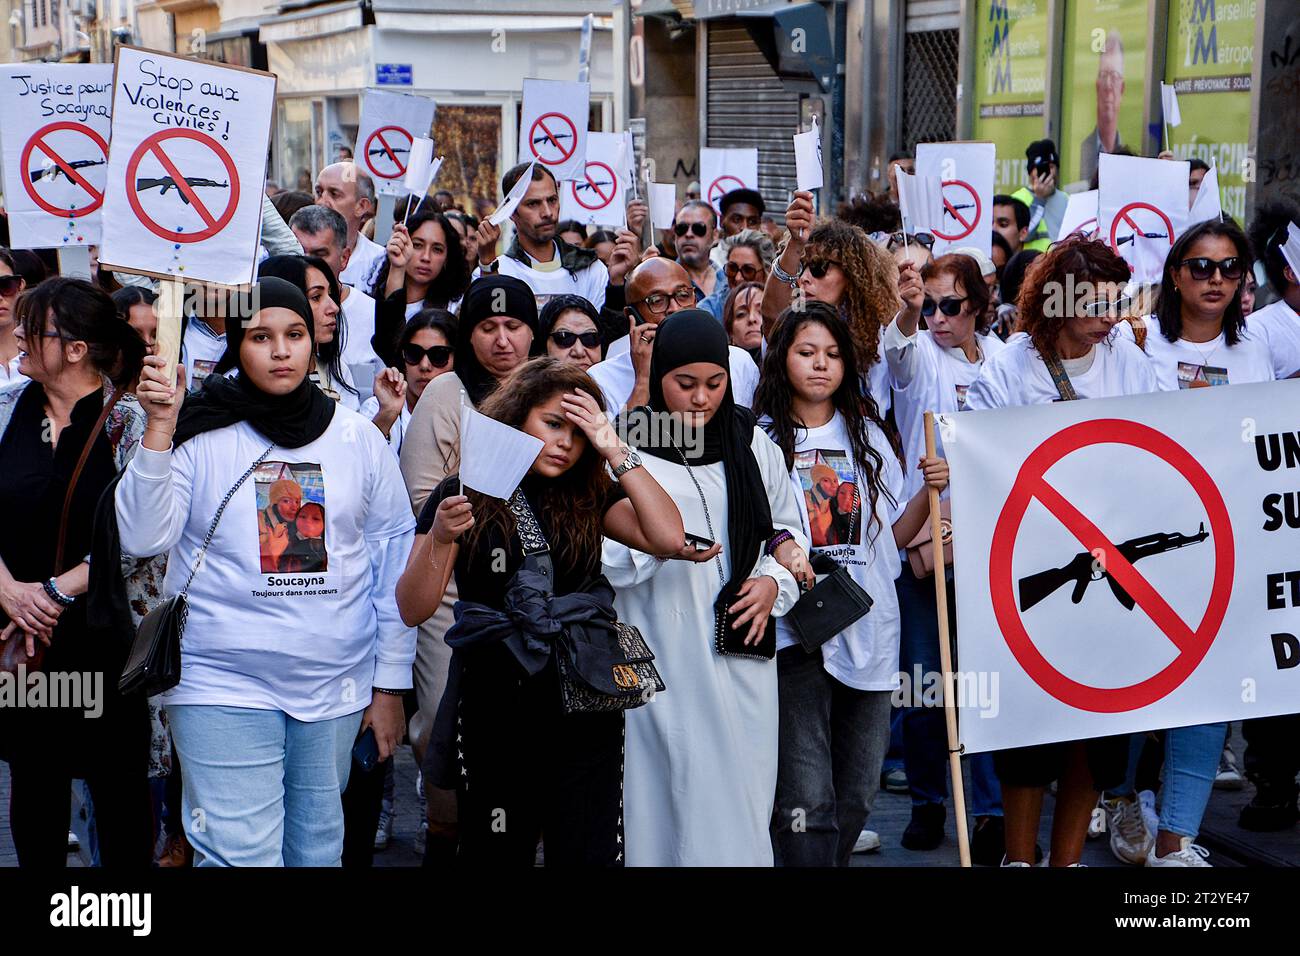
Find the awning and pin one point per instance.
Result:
(313, 22)
(390, 15)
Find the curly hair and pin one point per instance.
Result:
(1071, 264)
(870, 296)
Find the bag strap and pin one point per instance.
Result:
(76, 476)
(531, 538)
(708, 519)
(212, 528)
(1060, 379)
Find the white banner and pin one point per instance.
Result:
(722, 170)
(599, 195)
(553, 126)
(390, 124)
(1142, 209)
(966, 172)
(186, 167)
(55, 119)
(1124, 564)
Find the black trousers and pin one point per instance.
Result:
(1273, 750)
(530, 771)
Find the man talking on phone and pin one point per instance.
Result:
(1046, 202)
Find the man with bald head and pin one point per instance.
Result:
(351, 193)
(656, 288)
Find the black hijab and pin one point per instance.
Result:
(488, 297)
(291, 420)
(694, 335)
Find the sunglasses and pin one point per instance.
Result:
(438, 355)
(10, 285)
(750, 273)
(565, 339)
(819, 267)
(949, 305)
(698, 229)
(920, 238)
(1202, 268)
(657, 303)
(1107, 307)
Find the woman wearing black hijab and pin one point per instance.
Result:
(279, 666)
(701, 762)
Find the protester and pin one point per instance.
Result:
(740, 209)
(602, 243)
(1065, 353)
(747, 257)
(1011, 221)
(572, 232)
(80, 361)
(1248, 289)
(1278, 323)
(426, 349)
(1197, 168)
(695, 231)
(466, 228)
(261, 697)
(835, 702)
(1045, 201)
(11, 286)
(135, 306)
(702, 758)
(742, 317)
(344, 188)
(999, 255)
(656, 289)
(570, 327)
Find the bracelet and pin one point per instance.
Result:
(791, 280)
(56, 595)
(778, 539)
(390, 692)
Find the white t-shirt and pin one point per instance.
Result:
(1018, 376)
(1185, 364)
(928, 378)
(293, 619)
(589, 283)
(201, 349)
(364, 264)
(617, 377)
(864, 656)
(397, 431)
(358, 354)
(10, 377)
(1279, 326)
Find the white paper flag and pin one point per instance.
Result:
(966, 176)
(598, 195)
(513, 198)
(663, 204)
(1080, 215)
(1291, 248)
(1169, 100)
(1207, 205)
(920, 201)
(419, 168)
(493, 456)
(808, 158)
(1142, 206)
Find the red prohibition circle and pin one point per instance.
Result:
(555, 119)
(979, 210)
(1123, 215)
(1109, 700)
(152, 144)
(613, 188)
(716, 200)
(1079, 230)
(379, 134)
(97, 196)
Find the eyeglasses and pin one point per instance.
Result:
(920, 238)
(949, 305)
(657, 302)
(565, 339)
(10, 285)
(1202, 267)
(698, 229)
(750, 273)
(1106, 307)
(438, 355)
(819, 267)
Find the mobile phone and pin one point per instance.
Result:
(700, 544)
(366, 750)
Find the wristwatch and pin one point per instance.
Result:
(791, 280)
(633, 460)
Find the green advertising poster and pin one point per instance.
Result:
(1010, 82)
(1102, 84)
(1210, 56)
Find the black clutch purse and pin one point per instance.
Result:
(835, 602)
(154, 664)
(731, 641)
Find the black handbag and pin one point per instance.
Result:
(636, 676)
(834, 603)
(154, 664)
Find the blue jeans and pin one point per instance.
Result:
(1191, 763)
(261, 788)
(925, 734)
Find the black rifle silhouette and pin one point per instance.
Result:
(551, 138)
(951, 210)
(591, 185)
(1144, 235)
(395, 149)
(55, 171)
(166, 182)
(1084, 568)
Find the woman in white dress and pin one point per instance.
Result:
(701, 758)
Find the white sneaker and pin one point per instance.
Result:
(1130, 840)
(74, 841)
(1228, 777)
(868, 840)
(1188, 854)
(1147, 800)
(384, 832)
(1016, 863)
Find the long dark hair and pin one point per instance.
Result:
(1169, 305)
(440, 320)
(294, 269)
(774, 398)
(80, 311)
(571, 506)
(449, 284)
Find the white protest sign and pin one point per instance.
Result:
(663, 204)
(493, 456)
(186, 167)
(599, 195)
(1206, 205)
(1089, 610)
(965, 171)
(55, 118)
(513, 198)
(553, 126)
(1080, 215)
(722, 170)
(390, 124)
(920, 202)
(808, 158)
(1142, 209)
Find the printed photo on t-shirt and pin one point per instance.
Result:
(1191, 375)
(199, 370)
(830, 489)
(961, 396)
(290, 517)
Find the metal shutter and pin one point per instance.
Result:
(748, 106)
